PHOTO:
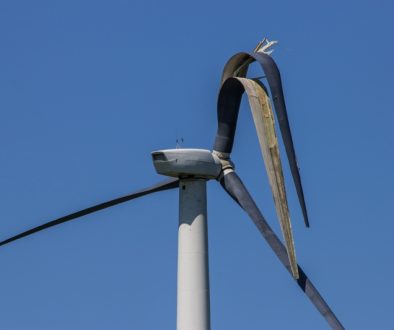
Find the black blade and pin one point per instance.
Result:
(168, 184)
(236, 189)
(229, 101)
(237, 66)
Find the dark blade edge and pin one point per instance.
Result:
(275, 83)
(236, 189)
(168, 184)
(242, 60)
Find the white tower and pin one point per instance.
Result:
(194, 167)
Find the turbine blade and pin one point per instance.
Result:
(275, 83)
(265, 128)
(236, 189)
(168, 184)
(237, 66)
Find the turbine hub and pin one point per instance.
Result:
(184, 163)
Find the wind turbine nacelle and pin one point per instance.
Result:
(187, 163)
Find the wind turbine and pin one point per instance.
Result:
(190, 169)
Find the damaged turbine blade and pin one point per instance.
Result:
(237, 66)
(228, 107)
(264, 46)
(263, 118)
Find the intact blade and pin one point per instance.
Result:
(237, 66)
(265, 128)
(168, 184)
(236, 189)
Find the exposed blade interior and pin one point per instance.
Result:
(265, 128)
(237, 66)
(236, 189)
(168, 184)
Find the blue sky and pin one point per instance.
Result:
(90, 88)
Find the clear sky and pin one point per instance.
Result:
(89, 88)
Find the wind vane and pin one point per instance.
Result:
(190, 169)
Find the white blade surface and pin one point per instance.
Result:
(265, 126)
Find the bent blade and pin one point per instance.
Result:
(237, 66)
(265, 127)
(275, 82)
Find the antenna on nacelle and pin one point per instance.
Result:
(179, 143)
